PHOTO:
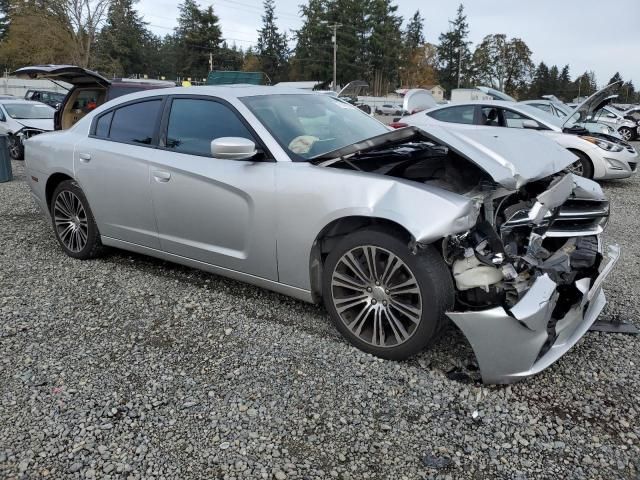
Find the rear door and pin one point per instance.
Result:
(112, 167)
(213, 210)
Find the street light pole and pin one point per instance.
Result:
(459, 64)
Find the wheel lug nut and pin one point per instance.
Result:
(387, 291)
(368, 289)
(384, 302)
(378, 284)
(373, 302)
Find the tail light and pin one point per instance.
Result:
(398, 124)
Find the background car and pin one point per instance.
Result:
(22, 119)
(598, 157)
(563, 111)
(389, 109)
(53, 99)
(306, 195)
(627, 129)
(89, 89)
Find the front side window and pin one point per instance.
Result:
(194, 123)
(135, 123)
(460, 114)
(516, 120)
(311, 125)
(29, 111)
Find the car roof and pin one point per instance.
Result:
(20, 100)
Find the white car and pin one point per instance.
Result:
(598, 156)
(22, 119)
(563, 111)
(389, 109)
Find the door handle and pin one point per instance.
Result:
(85, 157)
(161, 176)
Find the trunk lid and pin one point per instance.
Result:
(72, 74)
(416, 100)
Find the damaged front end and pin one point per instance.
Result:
(528, 276)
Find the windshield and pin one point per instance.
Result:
(29, 111)
(541, 115)
(311, 125)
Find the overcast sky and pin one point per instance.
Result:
(576, 32)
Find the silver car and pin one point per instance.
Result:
(22, 119)
(628, 129)
(308, 196)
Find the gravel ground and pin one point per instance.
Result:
(129, 367)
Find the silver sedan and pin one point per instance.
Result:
(304, 194)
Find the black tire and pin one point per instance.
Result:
(398, 113)
(431, 276)
(585, 162)
(627, 133)
(92, 245)
(16, 149)
(378, 112)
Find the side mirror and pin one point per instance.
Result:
(233, 148)
(532, 124)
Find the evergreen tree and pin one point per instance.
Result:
(616, 78)
(413, 34)
(5, 12)
(453, 52)
(312, 58)
(564, 84)
(384, 46)
(197, 36)
(272, 45)
(540, 84)
(120, 44)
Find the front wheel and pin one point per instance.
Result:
(384, 299)
(626, 133)
(73, 222)
(581, 167)
(16, 149)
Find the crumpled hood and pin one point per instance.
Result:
(45, 124)
(512, 157)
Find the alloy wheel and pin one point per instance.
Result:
(376, 296)
(576, 168)
(625, 133)
(14, 147)
(70, 220)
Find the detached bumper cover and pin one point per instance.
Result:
(508, 345)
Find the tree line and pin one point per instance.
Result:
(375, 44)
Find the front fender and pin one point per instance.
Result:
(304, 210)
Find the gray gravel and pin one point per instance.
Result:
(129, 367)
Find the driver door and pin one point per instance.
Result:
(217, 211)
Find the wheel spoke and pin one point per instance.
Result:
(370, 257)
(354, 265)
(71, 222)
(356, 325)
(392, 266)
(396, 326)
(378, 335)
(346, 303)
(340, 280)
(410, 286)
(62, 208)
(408, 311)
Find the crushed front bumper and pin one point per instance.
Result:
(507, 345)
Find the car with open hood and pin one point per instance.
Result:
(88, 90)
(21, 120)
(599, 156)
(393, 230)
(628, 128)
(563, 111)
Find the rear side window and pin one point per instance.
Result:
(194, 123)
(135, 123)
(103, 124)
(460, 114)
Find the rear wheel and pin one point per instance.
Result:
(581, 167)
(73, 222)
(16, 149)
(384, 299)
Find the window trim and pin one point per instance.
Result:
(164, 125)
(154, 138)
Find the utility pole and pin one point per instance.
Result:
(334, 39)
(459, 64)
(210, 61)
